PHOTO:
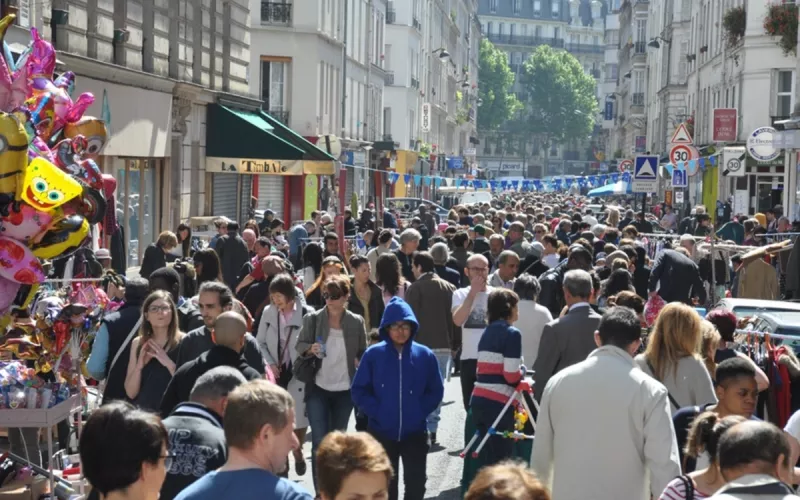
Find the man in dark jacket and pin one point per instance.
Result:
(228, 335)
(431, 299)
(409, 242)
(552, 294)
(196, 438)
(168, 279)
(214, 299)
(115, 336)
(677, 277)
(233, 254)
(399, 423)
(441, 254)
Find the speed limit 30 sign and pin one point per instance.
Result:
(680, 153)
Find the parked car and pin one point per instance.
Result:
(399, 205)
(750, 307)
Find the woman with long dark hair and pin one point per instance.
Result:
(312, 265)
(207, 266)
(154, 351)
(186, 247)
(619, 281)
(389, 276)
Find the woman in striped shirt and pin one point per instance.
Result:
(704, 436)
(498, 373)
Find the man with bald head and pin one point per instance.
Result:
(470, 312)
(249, 237)
(228, 335)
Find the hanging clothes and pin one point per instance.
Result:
(782, 389)
(757, 280)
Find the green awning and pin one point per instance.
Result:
(292, 137)
(242, 134)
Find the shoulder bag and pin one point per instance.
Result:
(128, 339)
(671, 399)
(688, 487)
(305, 368)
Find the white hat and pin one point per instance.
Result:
(102, 254)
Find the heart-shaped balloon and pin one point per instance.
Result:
(8, 292)
(23, 222)
(18, 264)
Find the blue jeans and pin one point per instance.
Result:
(327, 411)
(444, 361)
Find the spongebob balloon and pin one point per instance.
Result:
(45, 186)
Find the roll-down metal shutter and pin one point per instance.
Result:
(270, 194)
(224, 195)
(245, 194)
(350, 183)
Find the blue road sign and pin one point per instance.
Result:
(645, 168)
(679, 178)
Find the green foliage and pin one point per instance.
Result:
(495, 77)
(425, 150)
(735, 22)
(558, 97)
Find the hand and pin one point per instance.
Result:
(477, 285)
(159, 353)
(276, 370)
(653, 294)
(315, 349)
(357, 361)
(144, 357)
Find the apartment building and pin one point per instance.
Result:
(518, 27)
(630, 121)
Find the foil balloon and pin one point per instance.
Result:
(24, 222)
(45, 186)
(42, 108)
(66, 236)
(13, 87)
(13, 153)
(95, 132)
(18, 264)
(109, 185)
(67, 157)
(41, 61)
(91, 205)
(8, 292)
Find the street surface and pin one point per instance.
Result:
(444, 464)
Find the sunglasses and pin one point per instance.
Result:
(331, 296)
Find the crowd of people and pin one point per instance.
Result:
(220, 357)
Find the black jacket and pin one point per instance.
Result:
(154, 258)
(480, 245)
(233, 253)
(449, 275)
(405, 265)
(189, 317)
(199, 341)
(350, 227)
(375, 305)
(119, 324)
(197, 442)
(678, 278)
(533, 265)
(552, 294)
(185, 377)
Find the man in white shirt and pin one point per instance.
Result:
(470, 312)
(550, 256)
(610, 422)
(384, 246)
(506, 273)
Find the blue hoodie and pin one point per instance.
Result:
(397, 391)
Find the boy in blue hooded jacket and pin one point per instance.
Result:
(397, 385)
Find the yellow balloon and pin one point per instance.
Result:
(45, 186)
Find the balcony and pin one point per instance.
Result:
(279, 13)
(530, 41)
(387, 138)
(595, 73)
(389, 78)
(585, 48)
(638, 99)
(281, 116)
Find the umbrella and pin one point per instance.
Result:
(619, 187)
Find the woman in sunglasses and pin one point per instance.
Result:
(338, 338)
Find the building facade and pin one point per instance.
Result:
(631, 123)
(517, 27)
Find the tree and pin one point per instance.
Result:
(558, 98)
(497, 103)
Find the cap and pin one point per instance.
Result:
(686, 237)
(480, 229)
(102, 254)
(601, 256)
(537, 249)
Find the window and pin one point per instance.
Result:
(557, 33)
(638, 82)
(273, 85)
(490, 27)
(556, 8)
(502, 28)
(513, 28)
(517, 6)
(537, 7)
(553, 150)
(596, 40)
(483, 29)
(537, 31)
(785, 94)
(641, 30)
(493, 5)
(611, 71)
(524, 30)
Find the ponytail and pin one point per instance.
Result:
(705, 432)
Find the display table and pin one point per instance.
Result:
(42, 418)
(522, 452)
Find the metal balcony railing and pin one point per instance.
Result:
(525, 40)
(638, 99)
(585, 48)
(276, 13)
(281, 116)
(389, 78)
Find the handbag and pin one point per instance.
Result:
(286, 372)
(305, 368)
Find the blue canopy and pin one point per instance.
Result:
(619, 187)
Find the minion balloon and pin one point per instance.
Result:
(13, 154)
(95, 132)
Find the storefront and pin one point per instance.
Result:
(251, 155)
(136, 153)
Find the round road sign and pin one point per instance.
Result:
(626, 166)
(681, 153)
(733, 166)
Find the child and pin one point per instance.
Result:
(373, 338)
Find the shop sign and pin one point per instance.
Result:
(725, 125)
(679, 197)
(511, 167)
(760, 144)
(668, 197)
(250, 166)
(641, 144)
(425, 117)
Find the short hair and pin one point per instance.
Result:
(578, 283)
(136, 290)
(598, 230)
(233, 226)
(168, 274)
(424, 260)
(167, 239)
(725, 321)
(385, 236)
(410, 235)
(216, 384)
(221, 289)
(358, 260)
(496, 237)
(337, 282)
(551, 240)
(620, 327)
(283, 284)
(114, 427)
(619, 263)
(250, 407)
(527, 287)
(501, 303)
(751, 442)
(330, 236)
(275, 224)
(264, 242)
(630, 300)
(733, 368)
(630, 230)
(460, 238)
(505, 255)
(340, 455)
(506, 481)
(440, 254)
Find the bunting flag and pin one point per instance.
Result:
(407, 178)
(437, 181)
(417, 180)
(393, 177)
(426, 180)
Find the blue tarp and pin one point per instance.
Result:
(619, 187)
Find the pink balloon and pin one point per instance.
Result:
(24, 223)
(18, 264)
(41, 60)
(8, 292)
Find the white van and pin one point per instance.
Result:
(473, 197)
